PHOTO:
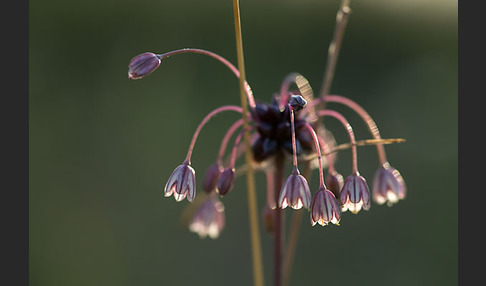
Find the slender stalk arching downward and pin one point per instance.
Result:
(201, 125)
(349, 129)
(366, 118)
(319, 155)
(252, 203)
(225, 141)
(248, 92)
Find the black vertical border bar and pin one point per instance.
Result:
(471, 127)
(14, 116)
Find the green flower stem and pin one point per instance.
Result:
(252, 202)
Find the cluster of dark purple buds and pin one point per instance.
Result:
(288, 127)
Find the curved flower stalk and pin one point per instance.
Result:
(325, 207)
(182, 180)
(227, 179)
(355, 192)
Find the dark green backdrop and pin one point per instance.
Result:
(102, 146)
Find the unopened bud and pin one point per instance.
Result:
(335, 182)
(297, 102)
(211, 179)
(142, 65)
(226, 181)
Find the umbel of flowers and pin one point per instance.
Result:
(288, 128)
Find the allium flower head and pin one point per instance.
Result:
(274, 130)
(289, 126)
(209, 218)
(325, 208)
(143, 65)
(295, 193)
(355, 194)
(388, 185)
(181, 183)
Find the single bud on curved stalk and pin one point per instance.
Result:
(226, 181)
(335, 183)
(388, 185)
(295, 193)
(297, 102)
(355, 194)
(142, 65)
(211, 179)
(181, 183)
(209, 219)
(325, 208)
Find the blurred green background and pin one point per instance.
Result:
(102, 146)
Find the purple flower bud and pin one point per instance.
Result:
(295, 193)
(209, 219)
(181, 183)
(335, 182)
(211, 179)
(226, 181)
(355, 194)
(388, 185)
(142, 65)
(325, 208)
(297, 102)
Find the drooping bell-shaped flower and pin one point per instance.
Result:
(295, 193)
(325, 208)
(388, 185)
(181, 183)
(209, 219)
(355, 194)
